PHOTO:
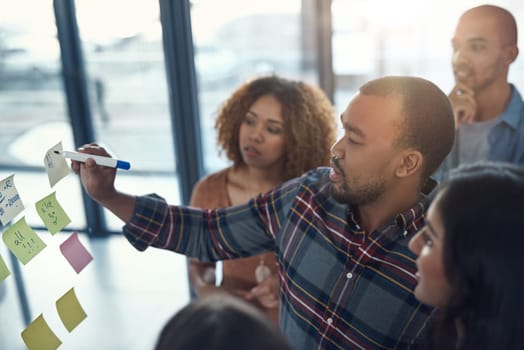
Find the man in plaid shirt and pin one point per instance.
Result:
(340, 234)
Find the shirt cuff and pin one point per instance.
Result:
(146, 223)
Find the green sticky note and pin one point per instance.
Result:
(38, 336)
(23, 241)
(52, 214)
(4, 271)
(70, 311)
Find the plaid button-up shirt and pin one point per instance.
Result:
(341, 288)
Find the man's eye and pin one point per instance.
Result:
(477, 47)
(427, 240)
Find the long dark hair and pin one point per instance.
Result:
(482, 210)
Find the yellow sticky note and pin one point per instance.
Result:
(4, 271)
(23, 241)
(52, 214)
(38, 336)
(55, 165)
(10, 202)
(70, 311)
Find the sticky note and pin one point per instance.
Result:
(23, 241)
(70, 311)
(56, 165)
(10, 201)
(52, 214)
(75, 252)
(38, 336)
(4, 271)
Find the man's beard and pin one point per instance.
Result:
(362, 195)
(358, 195)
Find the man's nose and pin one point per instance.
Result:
(336, 150)
(459, 56)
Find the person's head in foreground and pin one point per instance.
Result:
(220, 323)
(470, 258)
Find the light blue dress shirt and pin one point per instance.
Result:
(506, 137)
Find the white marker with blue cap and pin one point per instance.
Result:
(99, 160)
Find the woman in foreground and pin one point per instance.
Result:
(470, 259)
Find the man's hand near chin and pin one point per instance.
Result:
(464, 105)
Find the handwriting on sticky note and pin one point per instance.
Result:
(10, 202)
(70, 311)
(75, 252)
(39, 336)
(52, 214)
(23, 241)
(4, 270)
(55, 165)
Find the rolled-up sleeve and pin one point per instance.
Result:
(208, 235)
(148, 217)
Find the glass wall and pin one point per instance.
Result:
(128, 92)
(32, 105)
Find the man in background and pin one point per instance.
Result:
(488, 110)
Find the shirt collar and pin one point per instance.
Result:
(408, 222)
(511, 114)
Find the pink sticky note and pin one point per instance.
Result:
(75, 252)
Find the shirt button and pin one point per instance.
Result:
(330, 320)
(349, 275)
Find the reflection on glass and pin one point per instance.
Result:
(122, 44)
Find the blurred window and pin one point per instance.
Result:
(237, 40)
(122, 46)
(407, 37)
(32, 106)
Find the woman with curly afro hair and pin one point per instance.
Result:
(272, 129)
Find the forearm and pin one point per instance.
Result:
(121, 204)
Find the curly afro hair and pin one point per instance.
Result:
(309, 121)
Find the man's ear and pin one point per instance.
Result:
(511, 54)
(410, 163)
